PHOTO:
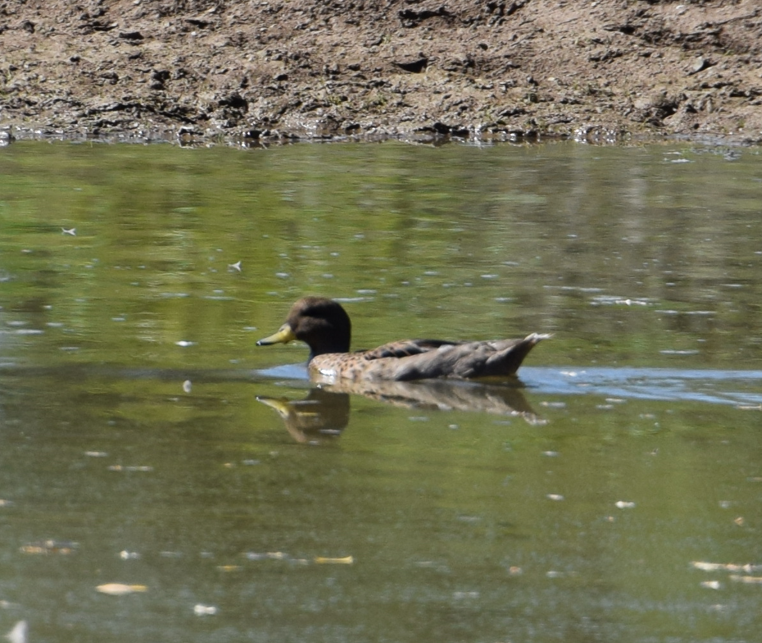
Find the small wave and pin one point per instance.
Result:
(709, 386)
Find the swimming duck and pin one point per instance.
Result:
(325, 327)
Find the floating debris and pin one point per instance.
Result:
(204, 610)
(184, 343)
(347, 560)
(119, 467)
(751, 580)
(120, 589)
(6, 503)
(275, 555)
(729, 567)
(45, 547)
(609, 300)
(129, 555)
(229, 568)
(624, 504)
(279, 555)
(70, 231)
(555, 496)
(96, 454)
(711, 584)
(235, 266)
(187, 386)
(19, 633)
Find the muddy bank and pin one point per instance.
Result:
(210, 69)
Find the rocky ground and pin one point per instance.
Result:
(598, 70)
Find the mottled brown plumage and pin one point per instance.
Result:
(325, 327)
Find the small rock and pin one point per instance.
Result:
(700, 64)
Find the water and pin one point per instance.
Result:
(614, 495)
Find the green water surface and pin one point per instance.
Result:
(615, 496)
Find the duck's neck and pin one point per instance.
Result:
(329, 346)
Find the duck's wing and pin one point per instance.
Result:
(405, 348)
(467, 360)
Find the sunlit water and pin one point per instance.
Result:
(162, 479)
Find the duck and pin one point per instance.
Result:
(325, 327)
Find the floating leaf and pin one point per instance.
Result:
(347, 560)
(120, 589)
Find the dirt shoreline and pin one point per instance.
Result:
(205, 70)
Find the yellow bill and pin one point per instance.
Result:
(284, 335)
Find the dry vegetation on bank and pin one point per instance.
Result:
(328, 68)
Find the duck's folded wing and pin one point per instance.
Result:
(405, 348)
(468, 360)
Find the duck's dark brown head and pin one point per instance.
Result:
(319, 322)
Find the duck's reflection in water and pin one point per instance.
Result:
(322, 414)
(325, 411)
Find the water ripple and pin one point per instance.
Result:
(709, 386)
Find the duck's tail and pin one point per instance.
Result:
(506, 357)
